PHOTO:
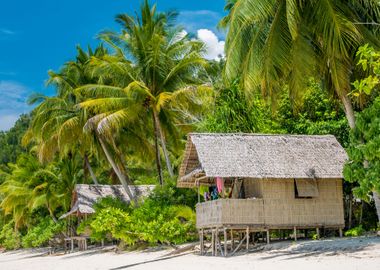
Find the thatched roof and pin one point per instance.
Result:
(260, 156)
(85, 196)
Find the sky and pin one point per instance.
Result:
(40, 35)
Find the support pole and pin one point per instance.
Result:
(247, 233)
(318, 235)
(216, 241)
(225, 241)
(295, 233)
(201, 238)
(232, 239)
(213, 242)
(340, 232)
(268, 237)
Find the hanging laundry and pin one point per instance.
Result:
(220, 184)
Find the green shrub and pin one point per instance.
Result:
(357, 231)
(161, 218)
(40, 234)
(9, 237)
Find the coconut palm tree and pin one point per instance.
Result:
(58, 123)
(32, 185)
(286, 41)
(157, 65)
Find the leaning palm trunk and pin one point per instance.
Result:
(88, 165)
(163, 145)
(348, 109)
(157, 150)
(376, 198)
(121, 176)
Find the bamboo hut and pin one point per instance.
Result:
(269, 182)
(85, 196)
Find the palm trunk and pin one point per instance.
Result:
(163, 145)
(157, 150)
(88, 165)
(349, 110)
(116, 169)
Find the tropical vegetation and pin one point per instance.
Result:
(121, 112)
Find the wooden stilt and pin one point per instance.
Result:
(232, 239)
(340, 232)
(268, 237)
(201, 241)
(295, 233)
(247, 233)
(318, 235)
(216, 241)
(213, 242)
(225, 241)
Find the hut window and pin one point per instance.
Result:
(305, 188)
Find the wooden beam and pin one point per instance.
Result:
(268, 237)
(295, 233)
(216, 241)
(317, 230)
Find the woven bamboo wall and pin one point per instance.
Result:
(278, 207)
(230, 212)
(282, 208)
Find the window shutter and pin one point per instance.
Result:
(307, 188)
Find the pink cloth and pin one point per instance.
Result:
(219, 184)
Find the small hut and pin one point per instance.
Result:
(85, 196)
(268, 182)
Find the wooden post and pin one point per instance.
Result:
(225, 241)
(268, 237)
(216, 241)
(295, 233)
(247, 238)
(202, 241)
(213, 242)
(318, 235)
(72, 245)
(232, 239)
(340, 232)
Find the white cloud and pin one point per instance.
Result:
(192, 20)
(214, 46)
(12, 102)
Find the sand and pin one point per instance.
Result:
(347, 253)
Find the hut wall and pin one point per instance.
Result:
(282, 208)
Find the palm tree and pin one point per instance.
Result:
(156, 64)
(58, 123)
(272, 42)
(32, 185)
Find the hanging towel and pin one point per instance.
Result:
(219, 184)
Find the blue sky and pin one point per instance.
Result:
(39, 35)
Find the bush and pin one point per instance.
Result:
(161, 218)
(9, 237)
(357, 231)
(40, 234)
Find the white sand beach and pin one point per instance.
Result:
(346, 253)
